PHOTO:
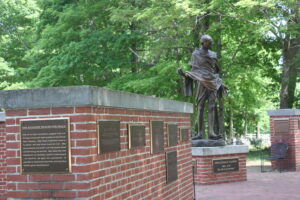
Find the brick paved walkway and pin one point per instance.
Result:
(260, 186)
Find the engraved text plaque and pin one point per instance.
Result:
(171, 164)
(109, 136)
(281, 126)
(184, 135)
(136, 136)
(172, 135)
(45, 146)
(157, 136)
(226, 165)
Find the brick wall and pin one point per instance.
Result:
(2, 161)
(127, 174)
(291, 137)
(205, 174)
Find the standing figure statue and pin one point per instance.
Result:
(204, 70)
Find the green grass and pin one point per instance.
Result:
(255, 154)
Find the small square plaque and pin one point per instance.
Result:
(171, 166)
(172, 134)
(136, 136)
(157, 136)
(281, 126)
(184, 134)
(109, 136)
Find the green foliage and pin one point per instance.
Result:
(137, 46)
(256, 142)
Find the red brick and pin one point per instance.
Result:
(82, 118)
(40, 177)
(39, 111)
(76, 185)
(64, 194)
(64, 110)
(13, 145)
(13, 129)
(10, 121)
(89, 126)
(20, 112)
(63, 177)
(13, 161)
(86, 142)
(16, 178)
(83, 109)
(28, 186)
(39, 194)
(17, 194)
(50, 186)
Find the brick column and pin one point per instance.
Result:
(124, 174)
(204, 157)
(2, 158)
(285, 126)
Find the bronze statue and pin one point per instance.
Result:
(204, 70)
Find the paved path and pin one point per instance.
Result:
(259, 186)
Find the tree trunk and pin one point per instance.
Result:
(290, 56)
(257, 135)
(231, 126)
(221, 100)
(246, 124)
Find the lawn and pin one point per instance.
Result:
(254, 156)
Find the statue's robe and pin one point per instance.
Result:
(204, 70)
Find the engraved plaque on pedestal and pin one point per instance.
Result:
(109, 136)
(45, 146)
(226, 165)
(136, 134)
(172, 134)
(171, 166)
(184, 134)
(157, 136)
(281, 126)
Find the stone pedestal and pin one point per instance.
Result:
(285, 127)
(216, 165)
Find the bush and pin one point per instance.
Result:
(256, 142)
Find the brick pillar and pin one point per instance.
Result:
(285, 127)
(2, 161)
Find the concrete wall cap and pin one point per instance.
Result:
(87, 96)
(222, 150)
(2, 117)
(284, 112)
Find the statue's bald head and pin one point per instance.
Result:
(205, 38)
(206, 42)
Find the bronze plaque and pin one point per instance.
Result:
(281, 126)
(136, 136)
(172, 135)
(45, 146)
(171, 166)
(184, 135)
(109, 136)
(157, 136)
(226, 165)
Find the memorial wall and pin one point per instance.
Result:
(90, 143)
(2, 157)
